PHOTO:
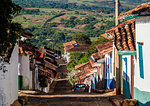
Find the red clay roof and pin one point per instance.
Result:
(50, 65)
(79, 48)
(81, 65)
(138, 10)
(124, 35)
(96, 56)
(109, 37)
(26, 48)
(86, 70)
(45, 70)
(69, 43)
(105, 47)
(92, 62)
(29, 49)
(74, 46)
(111, 31)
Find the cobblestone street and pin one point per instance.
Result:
(71, 100)
(63, 96)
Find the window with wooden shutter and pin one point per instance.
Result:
(141, 68)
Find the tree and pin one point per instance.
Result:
(43, 81)
(75, 57)
(92, 48)
(9, 31)
(82, 38)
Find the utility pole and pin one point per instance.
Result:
(118, 62)
(117, 11)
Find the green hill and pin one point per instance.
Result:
(60, 20)
(103, 5)
(61, 24)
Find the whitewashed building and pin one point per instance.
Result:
(24, 72)
(132, 42)
(9, 79)
(106, 53)
(73, 46)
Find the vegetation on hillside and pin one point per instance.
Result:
(82, 38)
(60, 20)
(78, 58)
(61, 25)
(62, 5)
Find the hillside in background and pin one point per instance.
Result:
(60, 20)
(61, 25)
(102, 5)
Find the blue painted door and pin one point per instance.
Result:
(126, 84)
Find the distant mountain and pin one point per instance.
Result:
(81, 4)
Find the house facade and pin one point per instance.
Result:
(48, 68)
(73, 46)
(141, 86)
(132, 43)
(98, 72)
(105, 50)
(8, 77)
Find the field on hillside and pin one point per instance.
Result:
(60, 20)
(44, 15)
(105, 3)
(36, 19)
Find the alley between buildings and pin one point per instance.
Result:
(62, 95)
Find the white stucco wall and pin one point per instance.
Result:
(107, 57)
(113, 60)
(9, 80)
(24, 70)
(143, 35)
(67, 56)
(36, 78)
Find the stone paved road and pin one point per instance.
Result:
(69, 101)
(63, 96)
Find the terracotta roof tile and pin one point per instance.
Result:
(74, 46)
(109, 37)
(112, 30)
(96, 56)
(46, 71)
(80, 48)
(29, 49)
(124, 35)
(85, 71)
(42, 55)
(105, 47)
(81, 65)
(69, 43)
(92, 62)
(50, 65)
(137, 11)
